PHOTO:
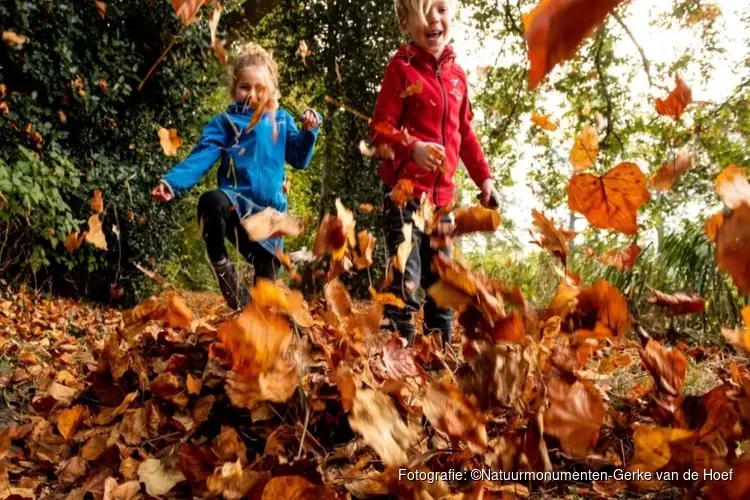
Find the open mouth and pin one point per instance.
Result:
(434, 35)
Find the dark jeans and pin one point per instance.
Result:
(418, 273)
(221, 221)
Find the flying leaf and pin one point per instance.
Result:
(69, 419)
(391, 133)
(213, 24)
(366, 245)
(404, 249)
(219, 52)
(14, 39)
(712, 225)
(413, 89)
(169, 140)
(178, 314)
(269, 223)
(664, 179)
(543, 121)
(402, 193)
(612, 200)
(679, 303)
(157, 477)
(554, 30)
(738, 337)
(607, 305)
(303, 51)
(476, 219)
(733, 247)
(386, 299)
(101, 8)
(575, 416)
(667, 366)
(381, 151)
(187, 10)
(733, 187)
(652, 446)
(276, 385)
(73, 241)
(374, 416)
(449, 411)
(585, 149)
(399, 361)
(330, 237)
(677, 100)
(553, 239)
(95, 234)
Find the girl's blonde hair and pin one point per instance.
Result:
(252, 54)
(405, 9)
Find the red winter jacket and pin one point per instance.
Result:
(440, 113)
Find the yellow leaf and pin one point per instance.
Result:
(95, 234)
(543, 121)
(585, 149)
(169, 141)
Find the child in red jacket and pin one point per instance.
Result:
(437, 121)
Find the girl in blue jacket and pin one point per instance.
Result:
(251, 175)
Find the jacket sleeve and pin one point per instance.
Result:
(470, 150)
(300, 143)
(186, 174)
(388, 110)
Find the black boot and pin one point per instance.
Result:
(234, 291)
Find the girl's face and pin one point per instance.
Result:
(252, 86)
(433, 31)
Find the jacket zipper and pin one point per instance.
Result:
(442, 130)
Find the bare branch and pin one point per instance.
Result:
(605, 91)
(646, 62)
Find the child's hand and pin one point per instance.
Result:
(428, 155)
(161, 193)
(310, 120)
(489, 198)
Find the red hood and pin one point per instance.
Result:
(440, 114)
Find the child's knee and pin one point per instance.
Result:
(211, 203)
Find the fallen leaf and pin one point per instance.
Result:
(168, 139)
(101, 8)
(738, 337)
(475, 219)
(606, 304)
(585, 149)
(399, 360)
(554, 30)
(94, 447)
(575, 416)
(95, 234)
(69, 419)
(270, 223)
(543, 121)
(667, 366)
(303, 52)
(652, 446)
(612, 200)
(157, 477)
(713, 225)
(677, 100)
(553, 239)
(678, 303)
(346, 385)
(664, 179)
(276, 385)
(187, 10)
(178, 314)
(733, 187)
(193, 384)
(71, 470)
(733, 247)
(374, 416)
(413, 89)
(450, 412)
(228, 445)
(296, 488)
(13, 39)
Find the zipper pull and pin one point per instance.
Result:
(437, 71)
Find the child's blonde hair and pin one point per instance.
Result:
(253, 54)
(405, 9)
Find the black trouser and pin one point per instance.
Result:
(220, 221)
(418, 273)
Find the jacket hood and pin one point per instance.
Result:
(413, 53)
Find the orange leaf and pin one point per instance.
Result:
(667, 366)
(733, 187)
(679, 303)
(449, 411)
(612, 200)
(276, 385)
(269, 223)
(344, 379)
(543, 121)
(295, 488)
(366, 208)
(391, 133)
(101, 8)
(169, 140)
(624, 260)
(386, 299)
(95, 234)
(14, 39)
(575, 416)
(193, 384)
(735, 488)
(178, 314)
(713, 225)
(738, 337)
(187, 10)
(402, 193)
(476, 219)
(330, 236)
(607, 304)
(585, 149)
(73, 241)
(664, 179)
(677, 100)
(510, 329)
(413, 89)
(68, 420)
(399, 361)
(733, 247)
(555, 29)
(553, 239)
(381, 151)
(652, 446)
(219, 52)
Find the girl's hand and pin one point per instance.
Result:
(310, 120)
(489, 198)
(428, 155)
(161, 193)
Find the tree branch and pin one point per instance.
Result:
(646, 62)
(605, 91)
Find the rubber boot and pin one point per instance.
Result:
(235, 293)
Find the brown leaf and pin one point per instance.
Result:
(553, 239)
(450, 412)
(295, 488)
(107, 415)
(13, 39)
(380, 151)
(677, 100)
(713, 225)
(330, 236)
(276, 385)
(187, 10)
(95, 234)
(366, 246)
(178, 314)
(97, 202)
(346, 385)
(402, 193)
(157, 477)
(555, 29)
(412, 89)
(404, 248)
(228, 446)
(269, 223)
(476, 219)
(733, 247)
(623, 260)
(73, 241)
(653, 449)
(169, 140)
(667, 366)
(374, 416)
(94, 447)
(664, 179)
(194, 384)
(678, 303)
(68, 420)
(129, 468)
(585, 149)
(612, 200)
(101, 8)
(399, 360)
(738, 337)
(607, 305)
(575, 416)
(70, 471)
(231, 481)
(133, 427)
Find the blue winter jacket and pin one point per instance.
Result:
(252, 164)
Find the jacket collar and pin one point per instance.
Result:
(413, 53)
(240, 109)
